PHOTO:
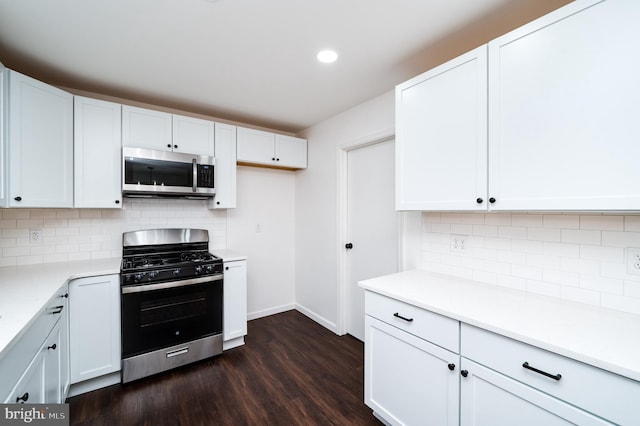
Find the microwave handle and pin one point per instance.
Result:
(195, 174)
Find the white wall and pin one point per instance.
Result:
(316, 232)
(262, 227)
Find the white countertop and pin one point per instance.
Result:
(229, 255)
(24, 290)
(600, 337)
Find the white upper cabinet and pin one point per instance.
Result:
(193, 135)
(441, 137)
(40, 144)
(225, 167)
(97, 157)
(150, 129)
(563, 110)
(146, 128)
(561, 123)
(268, 149)
(291, 151)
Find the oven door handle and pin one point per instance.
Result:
(170, 284)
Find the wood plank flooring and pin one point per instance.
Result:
(291, 371)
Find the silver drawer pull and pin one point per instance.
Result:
(397, 315)
(177, 352)
(544, 373)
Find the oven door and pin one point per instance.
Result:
(159, 315)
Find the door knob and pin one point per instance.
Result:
(348, 246)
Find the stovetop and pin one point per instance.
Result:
(166, 255)
(156, 260)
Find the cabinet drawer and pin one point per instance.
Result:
(600, 392)
(429, 326)
(16, 361)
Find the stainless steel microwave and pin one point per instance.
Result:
(151, 173)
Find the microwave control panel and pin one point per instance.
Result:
(205, 176)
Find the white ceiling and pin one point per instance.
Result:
(251, 61)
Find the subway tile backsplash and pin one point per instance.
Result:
(575, 256)
(83, 234)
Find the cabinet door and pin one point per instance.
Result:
(563, 110)
(146, 128)
(4, 198)
(489, 398)
(97, 153)
(94, 327)
(291, 152)
(40, 144)
(31, 386)
(255, 146)
(225, 168)
(441, 137)
(235, 300)
(193, 135)
(408, 380)
(54, 365)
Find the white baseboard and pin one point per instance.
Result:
(270, 311)
(317, 318)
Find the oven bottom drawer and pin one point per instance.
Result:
(150, 363)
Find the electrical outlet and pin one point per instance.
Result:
(258, 228)
(633, 260)
(458, 243)
(35, 235)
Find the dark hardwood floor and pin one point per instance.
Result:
(291, 371)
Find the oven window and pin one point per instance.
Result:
(161, 318)
(143, 171)
(175, 308)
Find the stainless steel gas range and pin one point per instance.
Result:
(171, 300)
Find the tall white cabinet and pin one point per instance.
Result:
(225, 168)
(441, 137)
(40, 144)
(97, 153)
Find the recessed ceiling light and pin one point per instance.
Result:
(327, 56)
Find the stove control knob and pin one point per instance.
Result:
(209, 268)
(153, 274)
(128, 278)
(176, 272)
(198, 269)
(139, 277)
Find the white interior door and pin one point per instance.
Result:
(372, 224)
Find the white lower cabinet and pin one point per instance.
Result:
(422, 368)
(410, 380)
(490, 398)
(94, 332)
(235, 304)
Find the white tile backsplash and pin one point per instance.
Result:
(573, 256)
(83, 234)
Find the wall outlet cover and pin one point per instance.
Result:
(633, 260)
